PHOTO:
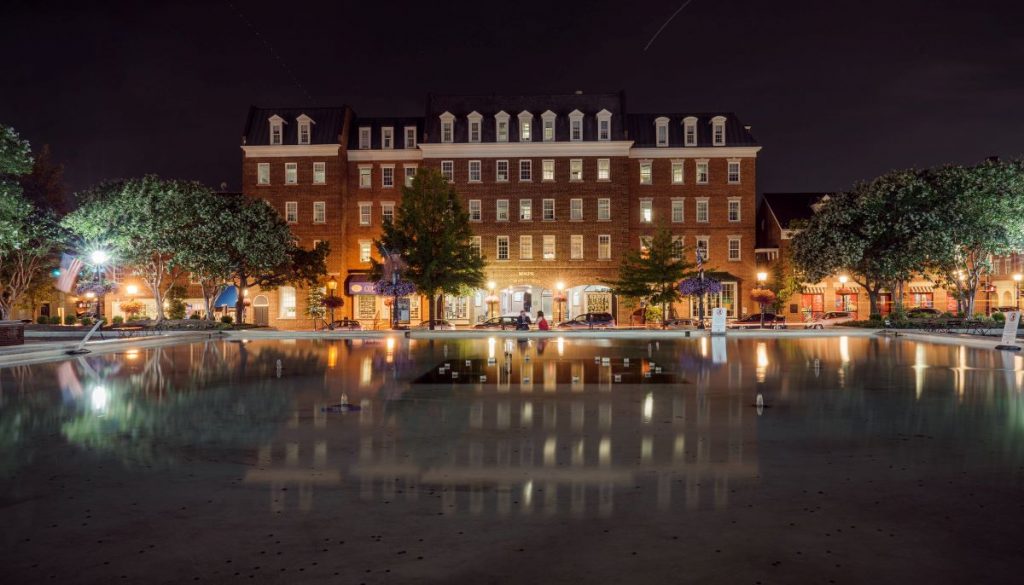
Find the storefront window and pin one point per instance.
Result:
(456, 308)
(813, 303)
(286, 295)
(726, 299)
(922, 300)
(366, 307)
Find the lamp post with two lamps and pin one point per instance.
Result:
(560, 298)
(491, 298)
(762, 277)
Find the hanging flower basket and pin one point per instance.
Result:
(491, 299)
(334, 302)
(845, 291)
(402, 288)
(559, 297)
(389, 301)
(695, 287)
(96, 288)
(762, 296)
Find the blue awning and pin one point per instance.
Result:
(227, 297)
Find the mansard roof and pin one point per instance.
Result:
(327, 124)
(375, 124)
(642, 131)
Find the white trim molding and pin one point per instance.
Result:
(691, 152)
(291, 150)
(400, 154)
(527, 149)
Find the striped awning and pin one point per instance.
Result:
(812, 290)
(918, 290)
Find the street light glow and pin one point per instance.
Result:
(560, 285)
(762, 276)
(491, 285)
(1017, 277)
(843, 279)
(132, 290)
(99, 257)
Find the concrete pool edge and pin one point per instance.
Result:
(57, 350)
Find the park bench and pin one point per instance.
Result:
(121, 330)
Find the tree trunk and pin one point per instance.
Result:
(240, 300)
(664, 315)
(873, 301)
(431, 308)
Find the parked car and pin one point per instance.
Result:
(439, 324)
(771, 321)
(682, 324)
(497, 323)
(828, 319)
(345, 325)
(589, 321)
(923, 313)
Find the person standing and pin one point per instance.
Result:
(542, 323)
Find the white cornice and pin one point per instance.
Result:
(696, 152)
(290, 150)
(527, 149)
(399, 154)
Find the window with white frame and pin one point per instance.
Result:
(502, 243)
(677, 172)
(703, 247)
(548, 124)
(575, 210)
(549, 210)
(501, 210)
(447, 128)
(365, 212)
(702, 172)
(677, 247)
(387, 137)
(734, 209)
(476, 244)
(525, 126)
(604, 169)
(526, 170)
(702, 210)
(718, 131)
(475, 210)
(448, 170)
(549, 247)
(474, 120)
(410, 137)
(291, 211)
(364, 251)
(364, 138)
(646, 211)
(645, 172)
(576, 247)
(291, 173)
(304, 132)
(734, 172)
(410, 174)
(263, 173)
(319, 212)
(276, 130)
(604, 125)
(526, 210)
(526, 247)
(319, 173)
(547, 170)
(387, 176)
(576, 126)
(474, 171)
(501, 171)
(661, 131)
(286, 299)
(387, 211)
(604, 209)
(690, 131)
(604, 247)
(734, 248)
(365, 176)
(678, 210)
(576, 169)
(501, 127)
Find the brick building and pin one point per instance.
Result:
(557, 188)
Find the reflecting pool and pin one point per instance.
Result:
(740, 460)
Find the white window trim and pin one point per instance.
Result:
(383, 185)
(384, 207)
(278, 122)
(544, 246)
(369, 216)
(409, 144)
(447, 119)
(573, 240)
(681, 165)
(707, 245)
(365, 138)
(609, 256)
(290, 206)
(525, 117)
(575, 118)
(739, 250)
(497, 177)
(501, 117)
(387, 132)
(707, 174)
(525, 238)
(739, 211)
(609, 206)
(649, 163)
(260, 167)
(572, 205)
(479, 172)
(660, 124)
(451, 164)
(529, 203)
(479, 208)
(324, 165)
(406, 179)
(739, 171)
(681, 201)
(323, 206)
(544, 207)
(369, 184)
(544, 171)
(497, 248)
(369, 249)
(604, 116)
(649, 204)
(304, 120)
(548, 116)
(497, 210)
(529, 165)
(716, 123)
(707, 210)
(608, 162)
(475, 117)
(690, 123)
(573, 162)
(294, 167)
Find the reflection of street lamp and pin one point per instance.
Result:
(761, 278)
(332, 285)
(560, 298)
(1016, 288)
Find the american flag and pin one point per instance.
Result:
(70, 266)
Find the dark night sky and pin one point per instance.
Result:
(835, 91)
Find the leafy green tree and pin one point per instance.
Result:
(981, 214)
(879, 233)
(431, 234)
(23, 270)
(653, 273)
(15, 162)
(200, 248)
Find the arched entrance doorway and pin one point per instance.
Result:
(261, 310)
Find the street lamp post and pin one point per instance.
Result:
(1016, 290)
(761, 278)
(332, 285)
(491, 285)
(560, 298)
(842, 286)
(99, 259)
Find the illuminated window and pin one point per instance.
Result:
(502, 248)
(702, 172)
(502, 210)
(365, 212)
(501, 171)
(645, 173)
(319, 173)
(448, 170)
(525, 126)
(526, 247)
(291, 173)
(525, 210)
(365, 177)
(387, 211)
(604, 209)
(576, 247)
(364, 251)
(474, 171)
(319, 212)
(678, 213)
(734, 249)
(576, 169)
(734, 209)
(604, 169)
(646, 211)
(548, 124)
(547, 170)
(476, 245)
(604, 247)
(702, 210)
(291, 211)
(474, 210)
(677, 172)
(410, 174)
(263, 173)
(576, 210)
(549, 247)
(501, 127)
(286, 298)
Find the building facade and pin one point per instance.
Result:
(557, 187)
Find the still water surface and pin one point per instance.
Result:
(394, 461)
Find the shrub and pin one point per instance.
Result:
(998, 317)
(194, 315)
(117, 320)
(55, 320)
(949, 315)
(176, 309)
(87, 321)
(227, 319)
(42, 319)
(69, 319)
(980, 316)
(875, 317)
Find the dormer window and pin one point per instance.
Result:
(305, 129)
(501, 127)
(475, 120)
(276, 129)
(575, 126)
(447, 128)
(387, 137)
(661, 131)
(604, 125)
(718, 131)
(364, 138)
(525, 126)
(548, 119)
(690, 131)
(410, 137)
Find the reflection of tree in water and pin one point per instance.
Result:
(440, 413)
(27, 416)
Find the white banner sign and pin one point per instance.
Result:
(718, 320)
(1010, 328)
